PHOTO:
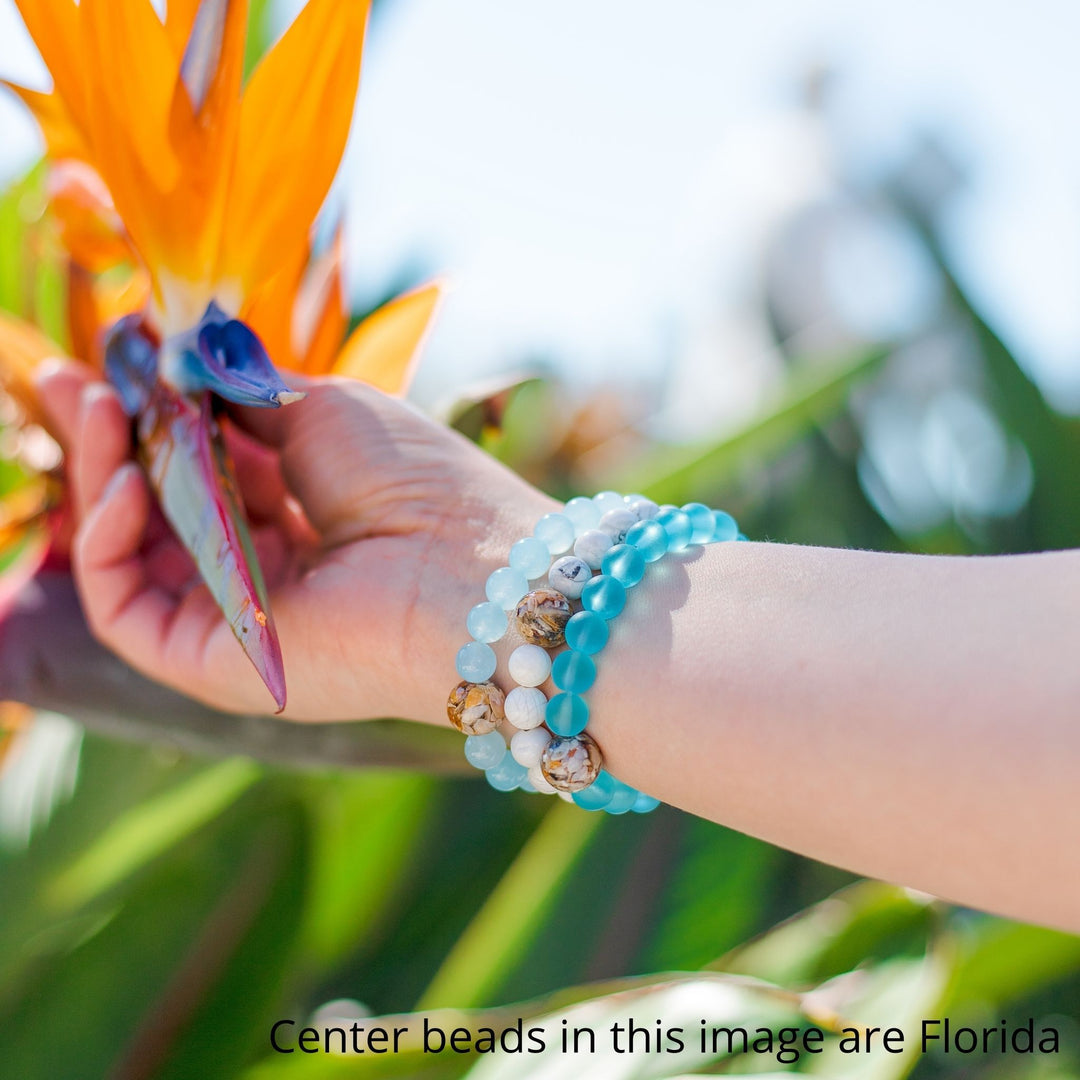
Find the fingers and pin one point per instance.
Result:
(102, 444)
(60, 385)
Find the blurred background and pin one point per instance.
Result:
(815, 263)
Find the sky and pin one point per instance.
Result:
(595, 180)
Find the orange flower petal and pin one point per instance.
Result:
(22, 348)
(90, 227)
(54, 26)
(63, 139)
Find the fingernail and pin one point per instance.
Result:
(117, 480)
(49, 368)
(95, 392)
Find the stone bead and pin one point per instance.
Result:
(476, 708)
(555, 530)
(567, 714)
(622, 799)
(571, 764)
(590, 547)
(643, 509)
(586, 632)
(583, 513)
(724, 527)
(539, 781)
(507, 775)
(542, 616)
(484, 751)
(598, 794)
(608, 500)
(529, 746)
(569, 575)
(506, 587)
(625, 564)
(487, 621)
(476, 661)
(616, 522)
(531, 557)
(701, 521)
(677, 526)
(573, 671)
(529, 665)
(604, 596)
(644, 803)
(525, 707)
(649, 538)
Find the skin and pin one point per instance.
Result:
(910, 718)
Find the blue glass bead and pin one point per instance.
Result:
(507, 775)
(724, 527)
(622, 799)
(531, 557)
(487, 621)
(476, 661)
(604, 596)
(701, 520)
(741, 537)
(566, 715)
(506, 587)
(586, 632)
(583, 513)
(598, 794)
(557, 531)
(485, 751)
(644, 803)
(649, 538)
(625, 564)
(677, 526)
(573, 671)
(608, 500)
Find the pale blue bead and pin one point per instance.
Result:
(476, 662)
(583, 513)
(506, 587)
(604, 596)
(608, 500)
(487, 621)
(598, 794)
(724, 527)
(507, 775)
(644, 803)
(625, 564)
(485, 751)
(573, 671)
(622, 799)
(586, 632)
(677, 526)
(566, 715)
(531, 557)
(557, 531)
(741, 537)
(649, 538)
(701, 520)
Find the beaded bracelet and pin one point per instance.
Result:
(549, 750)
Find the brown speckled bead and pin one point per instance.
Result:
(542, 616)
(571, 764)
(475, 708)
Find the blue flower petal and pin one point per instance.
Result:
(131, 362)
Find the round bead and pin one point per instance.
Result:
(650, 539)
(476, 708)
(567, 714)
(616, 522)
(625, 564)
(604, 596)
(507, 775)
(742, 537)
(622, 799)
(506, 587)
(571, 764)
(608, 500)
(476, 661)
(539, 781)
(701, 521)
(529, 665)
(487, 621)
(524, 707)
(677, 526)
(586, 632)
(643, 509)
(724, 527)
(542, 616)
(568, 575)
(484, 751)
(573, 671)
(590, 547)
(644, 803)
(555, 530)
(598, 794)
(583, 513)
(531, 557)
(528, 746)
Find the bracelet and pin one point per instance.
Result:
(549, 750)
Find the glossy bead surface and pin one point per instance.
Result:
(590, 547)
(583, 513)
(542, 616)
(622, 799)
(507, 775)
(616, 522)
(677, 526)
(569, 576)
(476, 661)
(701, 521)
(650, 539)
(539, 781)
(573, 671)
(529, 665)
(487, 621)
(555, 530)
(476, 708)
(484, 751)
(531, 557)
(724, 527)
(625, 564)
(598, 794)
(608, 500)
(567, 715)
(586, 632)
(644, 803)
(643, 509)
(525, 706)
(571, 764)
(529, 746)
(506, 587)
(604, 596)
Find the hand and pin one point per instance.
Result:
(375, 528)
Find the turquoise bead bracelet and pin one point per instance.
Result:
(550, 750)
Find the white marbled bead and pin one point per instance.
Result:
(525, 707)
(591, 546)
(540, 781)
(569, 575)
(643, 509)
(528, 747)
(529, 665)
(616, 523)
